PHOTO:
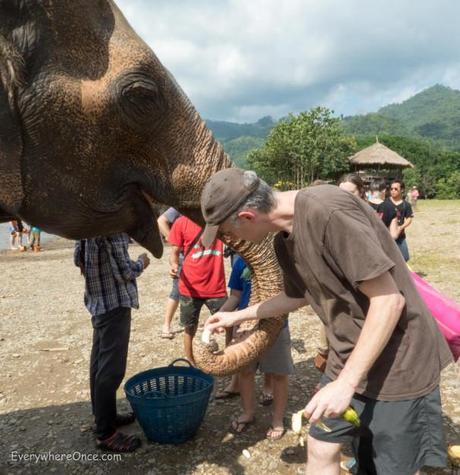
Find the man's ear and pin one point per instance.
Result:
(11, 185)
(248, 214)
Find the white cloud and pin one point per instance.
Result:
(239, 59)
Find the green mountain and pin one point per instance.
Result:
(239, 139)
(224, 131)
(432, 114)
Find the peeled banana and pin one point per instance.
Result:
(454, 454)
(350, 415)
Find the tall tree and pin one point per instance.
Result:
(302, 148)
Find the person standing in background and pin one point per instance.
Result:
(404, 214)
(34, 238)
(110, 293)
(202, 278)
(165, 222)
(16, 229)
(414, 196)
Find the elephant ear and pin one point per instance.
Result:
(11, 185)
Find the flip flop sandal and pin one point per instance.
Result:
(167, 335)
(238, 427)
(224, 394)
(279, 433)
(119, 442)
(266, 399)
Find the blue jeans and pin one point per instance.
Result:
(402, 244)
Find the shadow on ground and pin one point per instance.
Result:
(66, 430)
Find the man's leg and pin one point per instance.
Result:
(13, 240)
(171, 307)
(215, 304)
(322, 457)
(404, 249)
(266, 398)
(114, 331)
(93, 365)
(190, 308)
(246, 380)
(189, 334)
(280, 397)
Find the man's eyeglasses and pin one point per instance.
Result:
(397, 189)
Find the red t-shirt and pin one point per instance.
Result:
(202, 273)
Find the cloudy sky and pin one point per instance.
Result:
(242, 59)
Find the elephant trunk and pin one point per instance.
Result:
(266, 282)
(189, 179)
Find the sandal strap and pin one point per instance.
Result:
(119, 442)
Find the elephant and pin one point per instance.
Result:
(95, 134)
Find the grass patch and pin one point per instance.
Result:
(424, 205)
(432, 262)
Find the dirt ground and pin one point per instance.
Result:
(45, 340)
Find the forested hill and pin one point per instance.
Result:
(239, 139)
(432, 114)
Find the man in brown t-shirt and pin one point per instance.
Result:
(386, 352)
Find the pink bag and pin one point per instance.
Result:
(445, 311)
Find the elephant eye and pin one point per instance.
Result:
(139, 98)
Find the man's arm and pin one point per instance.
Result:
(408, 215)
(164, 225)
(124, 268)
(232, 302)
(229, 306)
(406, 224)
(273, 307)
(385, 307)
(174, 261)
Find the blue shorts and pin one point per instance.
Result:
(174, 294)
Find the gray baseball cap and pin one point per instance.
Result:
(223, 195)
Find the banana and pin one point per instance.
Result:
(351, 416)
(296, 423)
(454, 454)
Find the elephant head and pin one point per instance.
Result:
(95, 132)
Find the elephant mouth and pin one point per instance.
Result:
(146, 231)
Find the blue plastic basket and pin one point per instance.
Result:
(170, 402)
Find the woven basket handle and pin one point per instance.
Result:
(181, 359)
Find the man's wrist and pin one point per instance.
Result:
(349, 378)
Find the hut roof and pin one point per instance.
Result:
(378, 154)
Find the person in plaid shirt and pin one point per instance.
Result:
(110, 293)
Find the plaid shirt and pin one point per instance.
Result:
(110, 274)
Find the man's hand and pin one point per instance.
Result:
(173, 271)
(331, 401)
(221, 320)
(145, 260)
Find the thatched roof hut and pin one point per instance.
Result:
(379, 156)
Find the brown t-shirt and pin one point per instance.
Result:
(337, 242)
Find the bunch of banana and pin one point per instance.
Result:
(350, 415)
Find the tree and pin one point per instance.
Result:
(302, 148)
(448, 188)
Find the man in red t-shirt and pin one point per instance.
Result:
(201, 280)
